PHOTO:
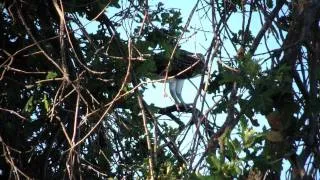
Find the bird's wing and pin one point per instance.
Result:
(185, 60)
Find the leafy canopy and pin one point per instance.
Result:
(73, 76)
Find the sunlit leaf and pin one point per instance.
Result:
(29, 105)
(249, 137)
(45, 102)
(214, 162)
(51, 75)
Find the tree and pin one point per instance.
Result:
(72, 103)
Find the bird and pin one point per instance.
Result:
(184, 65)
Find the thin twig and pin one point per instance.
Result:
(14, 112)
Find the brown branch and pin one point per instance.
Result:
(266, 26)
(25, 72)
(62, 30)
(10, 160)
(14, 113)
(36, 41)
(109, 105)
(151, 154)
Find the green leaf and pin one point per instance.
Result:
(214, 162)
(115, 3)
(146, 68)
(200, 177)
(220, 107)
(269, 3)
(230, 77)
(168, 167)
(51, 75)
(236, 145)
(45, 102)
(249, 137)
(243, 123)
(230, 150)
(29, 105)
(250, 66)
(246, 107)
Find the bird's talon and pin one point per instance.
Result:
(177, 106)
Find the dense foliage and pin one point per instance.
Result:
(73, 76)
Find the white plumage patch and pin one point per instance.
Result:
(175, 86)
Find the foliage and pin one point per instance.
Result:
(73, 75)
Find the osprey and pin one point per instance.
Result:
(184, 65)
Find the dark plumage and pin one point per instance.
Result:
(184, 65)
(181, 61)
